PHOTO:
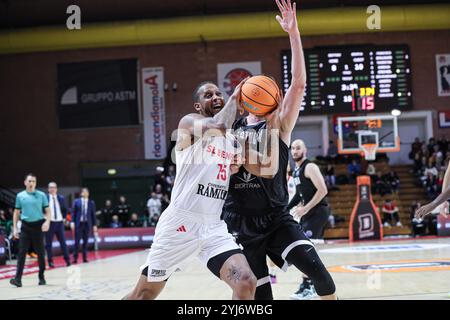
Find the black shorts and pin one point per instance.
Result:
(313, 224)
(272, 235)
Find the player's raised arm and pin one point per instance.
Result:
(290, 107)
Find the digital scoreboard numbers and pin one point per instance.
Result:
(354, 79)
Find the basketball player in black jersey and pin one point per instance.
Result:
(311, 205)
(256, 208)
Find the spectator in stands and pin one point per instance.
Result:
(379, 185)
(415, 147)
(160, 178)
(430, 185)
(170, 179)
(390, 211)
(332, 152)
(123, 210)
(330, 177)
(417, 164)
(115, 222)
(443, 144)
(154, 220)
(393, 181)
(429, 170)
(159, 191)
(371, 171)
(106, 214)
(163, 197)
(154, 205)
(440, 181)
(418, 225)
(5, 223)
(354, 170)
(430, 146)
(134, 221)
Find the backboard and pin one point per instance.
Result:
(368, 135)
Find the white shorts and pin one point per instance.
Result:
(181, 236)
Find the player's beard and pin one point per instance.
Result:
(300, 158)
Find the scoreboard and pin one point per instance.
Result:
(354, 79)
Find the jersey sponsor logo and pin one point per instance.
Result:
(247, 177)
(157, 273)
(396, 266)
(214, 151)
(247, 182)
(212, 191)
(387, 248)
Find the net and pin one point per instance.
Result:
(370, 150)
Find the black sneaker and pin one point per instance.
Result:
(14, 282)
(42, 282)
(51, 264)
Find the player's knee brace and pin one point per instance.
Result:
(308, 261)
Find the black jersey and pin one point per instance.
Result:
(252, 195)
(304, 187)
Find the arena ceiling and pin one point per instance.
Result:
(25, 13)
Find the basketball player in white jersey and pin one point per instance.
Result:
(191, 226)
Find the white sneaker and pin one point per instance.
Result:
(386, 224)
(307, 294)
(399, 224)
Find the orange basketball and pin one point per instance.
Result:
(259, 95)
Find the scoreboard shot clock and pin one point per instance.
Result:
(354, 79)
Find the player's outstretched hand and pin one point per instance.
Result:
(423, 211)
(288, 19)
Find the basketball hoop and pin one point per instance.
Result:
(370, 150)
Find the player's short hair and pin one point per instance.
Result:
(195, 94)
(30, 175)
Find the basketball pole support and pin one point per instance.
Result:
(365, 221)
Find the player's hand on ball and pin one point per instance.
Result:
(300, 212)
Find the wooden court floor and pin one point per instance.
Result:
(394, 269)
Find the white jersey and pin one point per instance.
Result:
(191, 226)
(203, 174)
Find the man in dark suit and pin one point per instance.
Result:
(58, 209)
(83, 222)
